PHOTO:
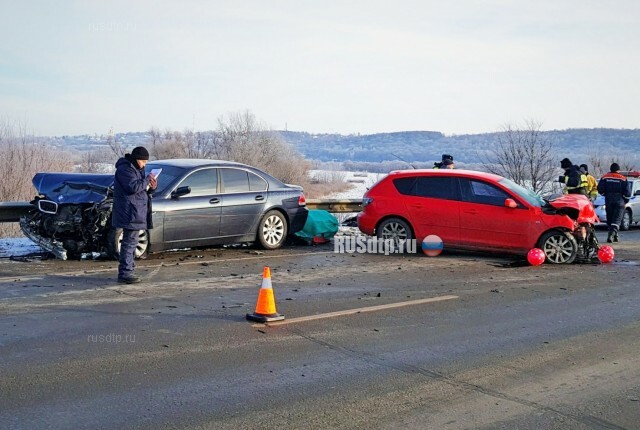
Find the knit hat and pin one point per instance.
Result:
(614, 167)
(585, 168)
(140, 153)
(566, 163)
(447, 157)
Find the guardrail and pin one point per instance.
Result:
(12, 211)
(336, 205)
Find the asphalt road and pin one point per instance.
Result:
(515, 347)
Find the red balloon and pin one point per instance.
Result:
(536, 256)
(606, 254)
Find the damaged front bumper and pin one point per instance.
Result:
(51, 245)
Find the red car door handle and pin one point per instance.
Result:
(471, 211)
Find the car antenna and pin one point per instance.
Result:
(412, 166)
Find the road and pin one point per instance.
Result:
(511, 346)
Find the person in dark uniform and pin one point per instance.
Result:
(131, 207)
(615, 189)
(574, 180)
(446, 163)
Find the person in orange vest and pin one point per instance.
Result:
(615, 189)
(592, 183)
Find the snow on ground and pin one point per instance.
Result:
(360, 182)
(16, 246)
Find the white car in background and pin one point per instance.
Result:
(632, 208)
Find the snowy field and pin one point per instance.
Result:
(360, 181)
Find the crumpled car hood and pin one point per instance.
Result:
(73, 187)
(577, 206)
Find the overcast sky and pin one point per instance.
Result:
(73, 67)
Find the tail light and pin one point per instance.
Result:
(301, 200)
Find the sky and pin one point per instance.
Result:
(329, 66)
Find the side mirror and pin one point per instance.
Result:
(180, 191)
(510, 203)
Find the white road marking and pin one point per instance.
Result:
(356, 311)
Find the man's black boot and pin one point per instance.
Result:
(616, 238)
(128, 279)
(610, 237)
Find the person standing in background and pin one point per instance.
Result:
(615, 189)
(592, 183)
(575, 182)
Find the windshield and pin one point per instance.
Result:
(167, 177)
(528, 195)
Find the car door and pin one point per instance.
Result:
(243, 201)
(195, 216)
(485, 221)
(432, 204)
(634, 201)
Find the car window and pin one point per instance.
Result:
(474, 191)
(235, 180)
(428, 186)
(529, 196)
(436, 187)
(202, 182)
(404, 185)
(167, 177)
(256, 183)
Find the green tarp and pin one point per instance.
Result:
(319, 224)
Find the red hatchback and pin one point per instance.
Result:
(474, 210)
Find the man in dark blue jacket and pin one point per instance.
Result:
(615, 189)
(131, 207)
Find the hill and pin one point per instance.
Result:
(413, 146)
(426, 146)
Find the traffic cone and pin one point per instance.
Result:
(266, 306)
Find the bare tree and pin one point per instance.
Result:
(524, 155)
(97, 161)
(240, 137)
(115, 146)
(599, 164)
(21, 157)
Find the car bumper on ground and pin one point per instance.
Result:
(297, 218)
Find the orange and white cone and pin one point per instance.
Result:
(266, 306)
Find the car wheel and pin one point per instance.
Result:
(626, 220)
(115, 238)
(272, 230)
(394, 229)
(559, 247)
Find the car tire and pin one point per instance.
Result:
(115, 237)
(395, 229)
(559, 247)
(272, 230)
(626, 220)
